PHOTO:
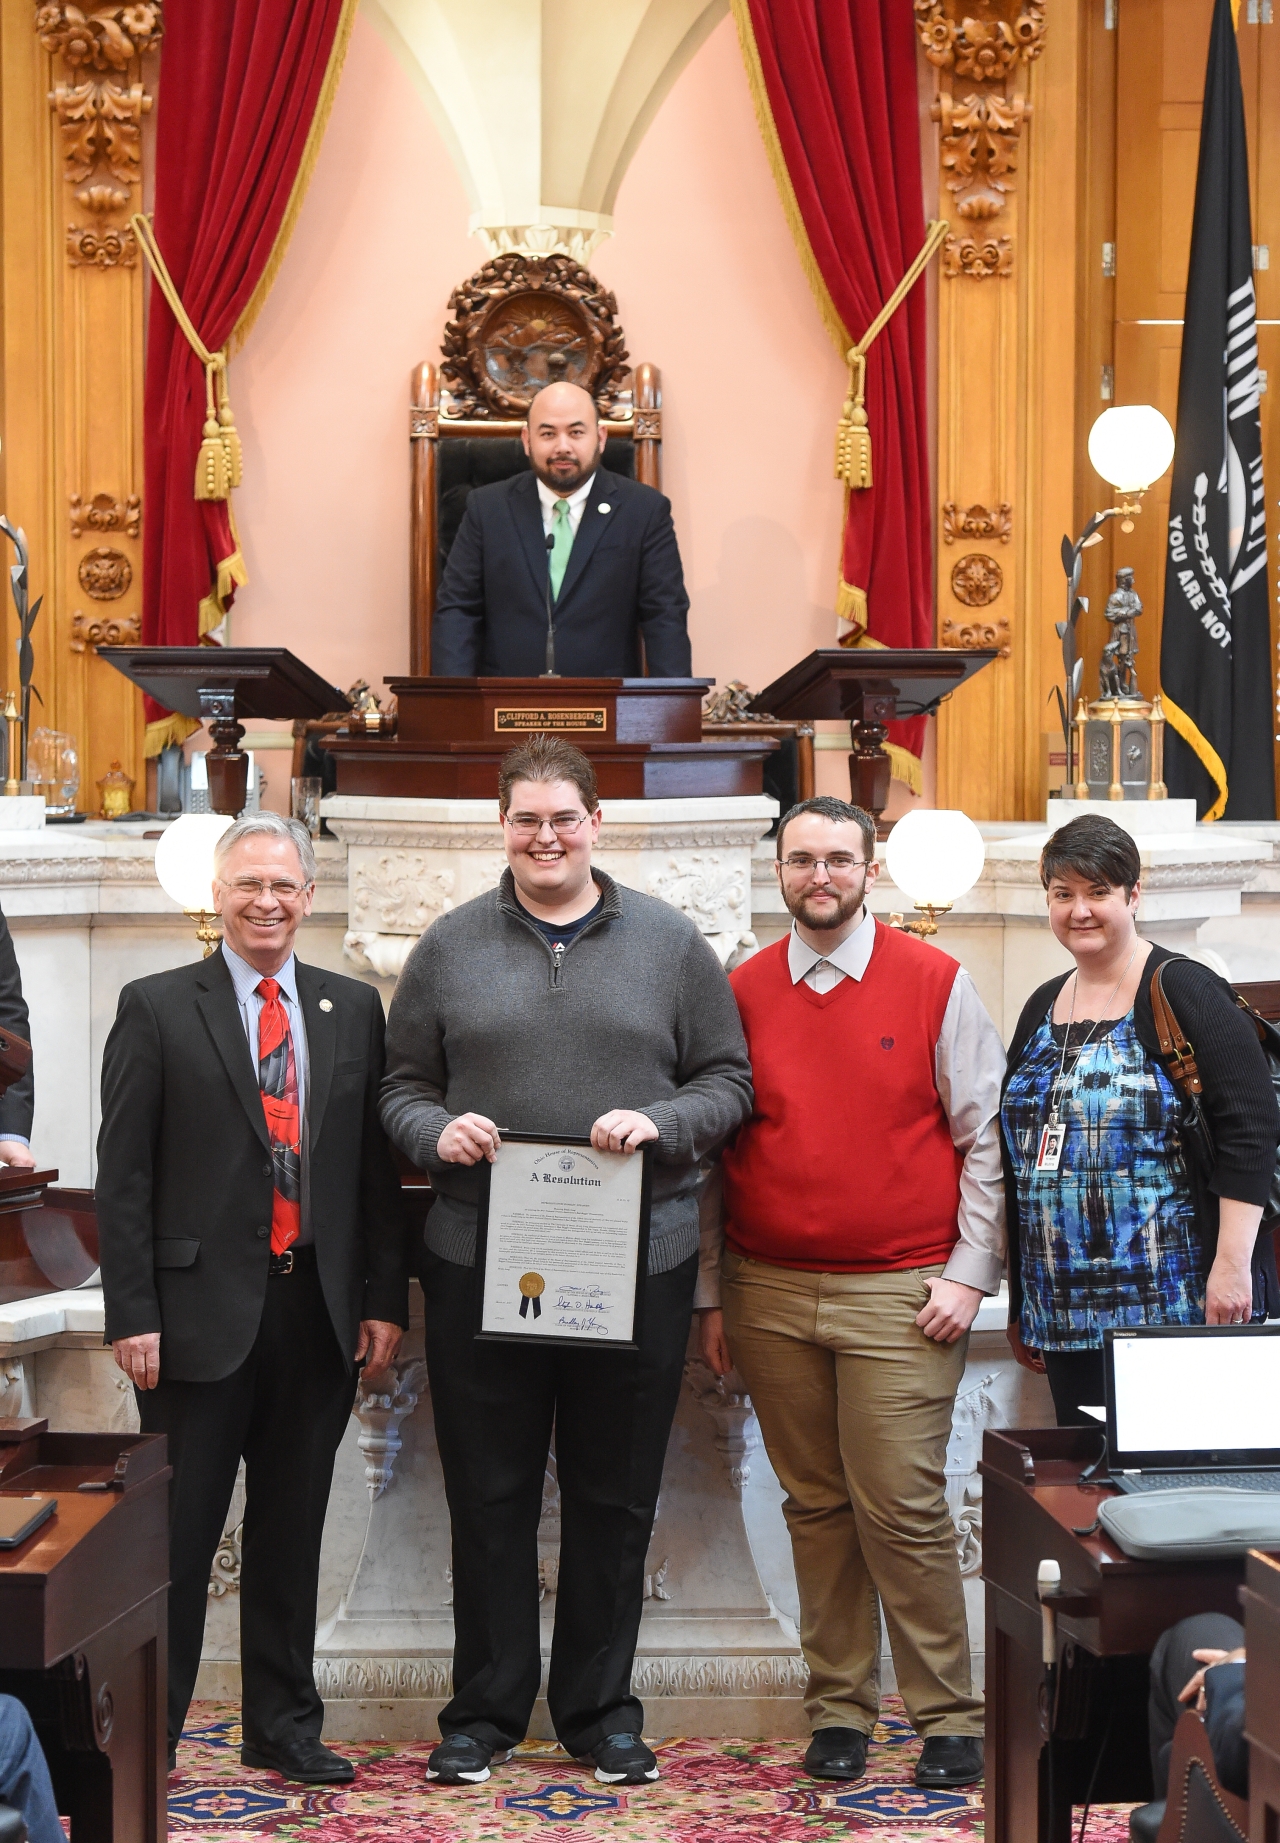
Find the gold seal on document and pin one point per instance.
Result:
(532, 1285)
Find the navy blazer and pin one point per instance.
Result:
(623, 580)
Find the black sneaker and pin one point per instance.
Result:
(623, 1759)
(950, 1760)
(837, 1753)
(461, 1759)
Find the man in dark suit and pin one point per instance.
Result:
(17, 1103)
(252, 1251)
(570, 542)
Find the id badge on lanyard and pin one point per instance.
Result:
(1052, 1135)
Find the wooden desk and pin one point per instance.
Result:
(1261, 1600)
(83, 1622)
(1110, 1612)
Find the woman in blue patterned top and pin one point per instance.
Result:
(1110, 1220)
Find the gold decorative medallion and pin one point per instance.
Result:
(532, 1287)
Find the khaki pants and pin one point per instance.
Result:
(855, 1405)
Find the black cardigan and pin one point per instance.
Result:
(1239, 1101)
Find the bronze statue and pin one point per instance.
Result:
(1117, 672)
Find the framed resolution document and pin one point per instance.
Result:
(562, 1242)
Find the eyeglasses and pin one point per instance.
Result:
(525, 825)
(839, 864)
(252, 887)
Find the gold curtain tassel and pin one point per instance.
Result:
(230, 434)
(212, 469)
(853, 436)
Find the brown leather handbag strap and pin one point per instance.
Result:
(1178, 1055)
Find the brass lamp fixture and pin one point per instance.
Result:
(184, 870)
(1131, 446)
(935, 857)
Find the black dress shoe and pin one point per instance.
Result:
(950, 1760)
(623, 1759)
(309, 1762)
(462, 1759)
(837, 1753)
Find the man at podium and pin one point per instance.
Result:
(568, 568)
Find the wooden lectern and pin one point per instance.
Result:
(220, 684)
(83, 1622)
(643, 735)
(869, 688)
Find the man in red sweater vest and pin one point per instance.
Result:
(863, 1220)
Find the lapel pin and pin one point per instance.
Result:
(326, 1004)
(604, 506)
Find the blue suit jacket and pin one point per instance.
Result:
(623, 580)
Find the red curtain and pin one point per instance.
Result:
(836, 92)
(245, 86)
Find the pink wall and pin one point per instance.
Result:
(321, 389)
(709, 288)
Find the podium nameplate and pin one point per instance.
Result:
(524, 719)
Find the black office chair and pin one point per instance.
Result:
(12, 1827)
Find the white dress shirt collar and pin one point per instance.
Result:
(573, 501)
(576, 502)
(851, 956)
(245, 978)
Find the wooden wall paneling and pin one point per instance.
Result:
(1162, 51)
(73, 358)
(30, 278)
(1096, 293)
(1006, 407)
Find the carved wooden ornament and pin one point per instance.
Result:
(975, 636)
(977, 522)
(978, 258)
(104, 573)
(90, 631)
(983, 42)
(523, 322)
(101, 111)
(976, 580)
(104, 512)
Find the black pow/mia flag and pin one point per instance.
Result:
(1215, 647)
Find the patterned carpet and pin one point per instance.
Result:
(709, 1792)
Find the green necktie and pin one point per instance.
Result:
(562, 544)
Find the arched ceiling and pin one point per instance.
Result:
(543, 102)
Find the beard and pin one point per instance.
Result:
(566, 476)
(846, 906)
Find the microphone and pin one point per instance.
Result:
(549, 670)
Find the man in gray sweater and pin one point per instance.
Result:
(557, 1004)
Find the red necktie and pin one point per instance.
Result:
(278, 1080)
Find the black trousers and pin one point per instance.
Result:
(495, 1406)
(284, 1412)
(1172, 1668)
(1075, 1376)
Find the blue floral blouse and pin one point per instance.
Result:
(1110, 1238)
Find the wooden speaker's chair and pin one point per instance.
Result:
(520, 323)
(1197, 1807)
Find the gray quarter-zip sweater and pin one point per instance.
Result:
(634, 1012)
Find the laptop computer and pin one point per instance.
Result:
(1193, 1405)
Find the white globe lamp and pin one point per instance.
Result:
(934, 857)
(184, 869)
(1131, 446)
